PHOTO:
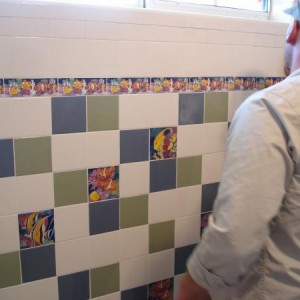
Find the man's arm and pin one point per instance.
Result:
(190, 290)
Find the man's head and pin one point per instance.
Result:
(292, 46)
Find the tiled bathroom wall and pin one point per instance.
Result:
(103, 197)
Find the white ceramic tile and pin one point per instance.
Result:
(6, 119)
(46, 289)
(32, 116)
(235, 99)
(162, 206)
(103, 30)
(133, 272)
(37, 192)
(66, 28)
(187, 231)
(103, 67)
(103, 148)
(104, 249)
(9, 234)
(134, 242)
(6, 51)
(29, 27)
(63, 51)
(72, 256)
(24, 48)
(177, 281)
(188, 201)
(69, 151)
(163, 59)
(212, 166)
(232, 38)
(214, 137)
(190, 140)
(12, 293)
(145, 111)
(8, 200)
(134, 179)
(71, 222)
(279, 41)
(161, 265)
(113, 296)
(265, 40)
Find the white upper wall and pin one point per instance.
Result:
(40, 41)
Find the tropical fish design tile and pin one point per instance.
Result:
(204, 221)
(163, 143)
(36, 229)
(103, 183)
(161, 290)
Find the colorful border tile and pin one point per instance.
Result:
(95, 86)
(169, 84)
(130, 85)
(29, 87)
(36, 228)
(103, 183)
(127, 85)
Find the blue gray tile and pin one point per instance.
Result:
(162, 175)
(209, 193)
(104, 216)
(181, 256)
(6, 158)
(68, 114)
(74, 286)
(191, 108)
(38, 263)
(134, 145)
(138, 293)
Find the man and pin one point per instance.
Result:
(251, 247)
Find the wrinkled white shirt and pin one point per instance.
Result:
(251, 247)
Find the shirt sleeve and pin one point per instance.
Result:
(251, 191)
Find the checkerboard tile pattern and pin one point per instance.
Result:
(105, 197)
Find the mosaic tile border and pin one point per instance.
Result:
(25, 87)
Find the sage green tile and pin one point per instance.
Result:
(9, 269)
(216, 107)
(70, 187)
(103, 113)
(161, 236)
(134, 211)
(105, 280)
(189, 171)
(33, 155)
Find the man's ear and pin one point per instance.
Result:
(292, 34)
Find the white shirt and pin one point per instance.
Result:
(251, 247)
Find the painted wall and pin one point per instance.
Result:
(104, 197)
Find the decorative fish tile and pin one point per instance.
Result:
(161, 290)
(36, 228)
(103, 183)
(163, 143)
